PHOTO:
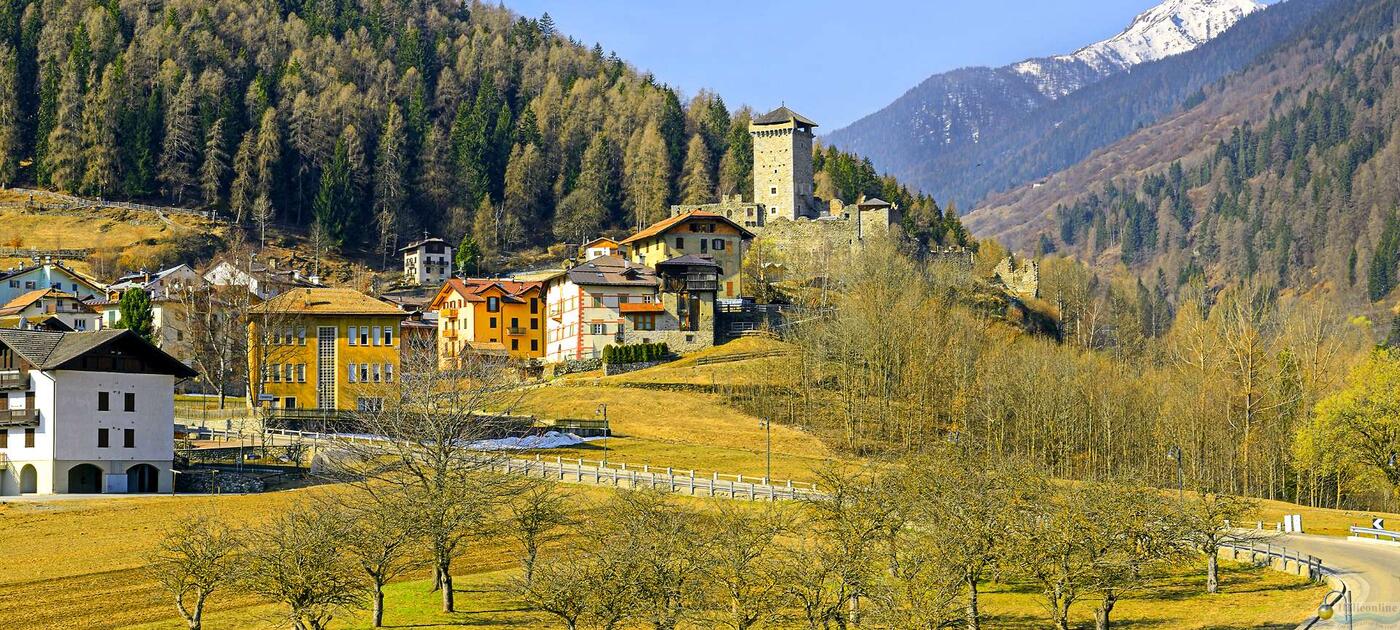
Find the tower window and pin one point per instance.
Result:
(773, 190)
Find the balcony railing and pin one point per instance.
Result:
(13, 380)
(19, 418)
(449, 333)
(515, 331)
(447, 313)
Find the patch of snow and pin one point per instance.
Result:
(1170, 28)
(551, 439)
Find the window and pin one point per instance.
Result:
(14, 284)
(534, 306)
(514, 344)
(376, 372)
(680, 242)
(534, 345)
(369, 404)
(364, 335)
(388, 335)
(364, 372)
(287, 337)
(4, 438)
(534, 324)
(29, 438)
(597, 301)
(352, 372)
(128, 438)
(719, 245)
(289, 371)
(350, 335)
(645, 322)
(493, 322)
(515, 322)
(102, 438)
(493, 304)
(275, 371)
(80, 324)
(301, 372)
(374, 336)
(388, 372)
(129, 402)
(301, 336)
(29, 284)
(290, 402)
(600, 329)
(104, 401)
(773, 190)
(704, 245)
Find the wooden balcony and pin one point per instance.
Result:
(515, 331)
(447, 313)
(449, 333)
(14, 380)
(10, 418)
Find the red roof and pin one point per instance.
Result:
(474, 290)
(663, 226)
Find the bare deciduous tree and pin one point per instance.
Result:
(196, 557)
(536, 514)
(294, 560)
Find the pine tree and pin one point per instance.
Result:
(595, 198)
(389, 191)
(486, 228)
(100, 135)
(696, 184)
(434, 185)
(525, 193)
(736, 167)
(267, 156)
(215, 168)
(179, 149)
(648, 177)
(9, 114)
(336, 194)
(468, 256)
(46, 118)
(65, 142)
(245, 177)
(136, 314)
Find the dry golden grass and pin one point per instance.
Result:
(80, 564)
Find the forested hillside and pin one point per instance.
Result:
(1029, 136)
(1298, 189)
(365, 120)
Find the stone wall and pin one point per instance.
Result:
(208, 481)
(733, 207)
(1022, 279)
(610, 369)
(572, 366)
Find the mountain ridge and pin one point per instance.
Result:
(949, 112)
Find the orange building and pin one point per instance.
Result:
(488, 316)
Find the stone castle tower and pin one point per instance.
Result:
(782, 164)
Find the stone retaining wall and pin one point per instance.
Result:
(209, 481)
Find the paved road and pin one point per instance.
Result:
(1371, 572)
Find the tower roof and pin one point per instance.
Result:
(782, 115)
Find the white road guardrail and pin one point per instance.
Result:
(1375, 533)
(602, 472)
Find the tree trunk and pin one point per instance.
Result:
(445, 580)
(974, 618)
(1101, 616)
(378, 614)
(1213, 572)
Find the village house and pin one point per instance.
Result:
(428, 261)
(48, 275)
(51, 304)
(85, 412)
(265, 281)
(602, 246)
(326, 349)
(697, 233)
(613, 301)
(167, 290)
(488, 316)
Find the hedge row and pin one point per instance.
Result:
(636, 353)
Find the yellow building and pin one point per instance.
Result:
(486, 316)
(324, 349)
(695, 233)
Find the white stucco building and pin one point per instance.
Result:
(85, 412)
(592, 305)
(428, 261)
(18, 281)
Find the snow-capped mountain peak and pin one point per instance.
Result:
(1170, 28)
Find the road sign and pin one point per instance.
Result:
(266, 397)
(1378, 523)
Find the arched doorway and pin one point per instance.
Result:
(143, 478)
(28, 479)
(85, 479)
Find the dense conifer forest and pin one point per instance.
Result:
(370, 121)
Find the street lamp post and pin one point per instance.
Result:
(1174, 454)
(768, 429)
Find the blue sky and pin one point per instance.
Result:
(834, 61)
